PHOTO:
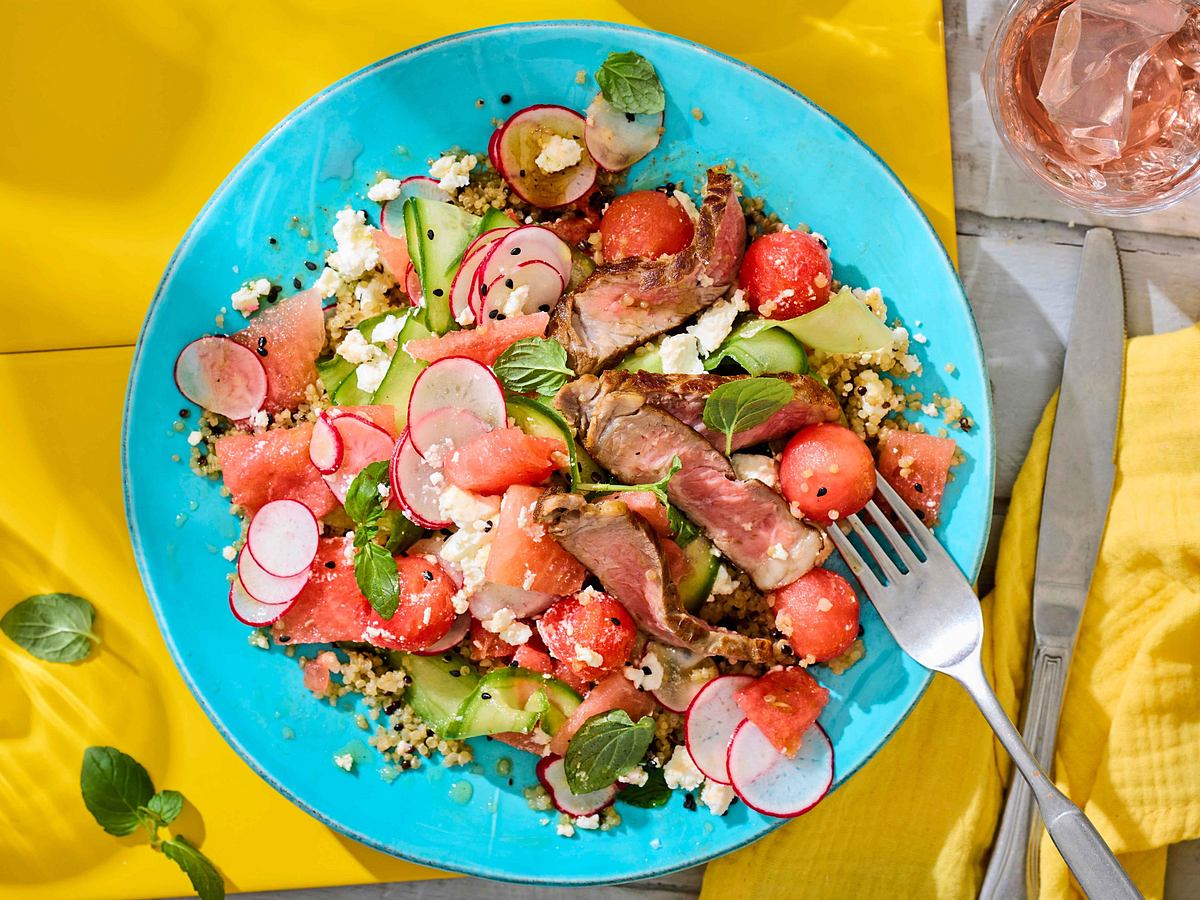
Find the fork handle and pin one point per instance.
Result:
(1013, 869)
(1083, 850)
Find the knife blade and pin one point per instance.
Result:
(1078, 487)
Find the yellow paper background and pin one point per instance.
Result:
(120, 117)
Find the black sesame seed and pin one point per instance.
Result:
(427, 575)
(508, 283)
(964, 423)
(630, 117)
(522, 173)
(515, 251)
(920, 514)
(689, 802)
(918, 488)
(483, 289)
(262, 346)
(512, 664)
(330, 564)
(487, 526)
(273, 294)
(479, 103)
(506, 98)
(500, 317)
(455, 673)
(310, 265)
(821, 491)
(862, 391)
(184, 413)
(861, 631)
(297, 283)
(493, 313)
(408, 679)
(545, 307)
(484, 695)
(645, 670)
(399, 726)
(272, 240)
(437, 292)
(446, 657)
(429, 233)
(391, 708)
(284, 639)
(404, 763)
(510, 782)
(615, 620)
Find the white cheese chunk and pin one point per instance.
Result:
(681, 355)
(558, 153)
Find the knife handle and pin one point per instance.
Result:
(1013, 868)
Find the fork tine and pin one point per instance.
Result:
(890, 569)
(920, 532)
(889, 530)
(856, 563)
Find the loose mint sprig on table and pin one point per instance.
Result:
(53, 627)
(119, 794)
(628, 81)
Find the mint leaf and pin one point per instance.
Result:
(742, 404)
(651, 795)
(628, 81)
(364, 503)
(606, 745)
(53, 627)
(377, 577)
(165, 806)
(203, 875)
(658, 488)
(115, 789)
(533, 366)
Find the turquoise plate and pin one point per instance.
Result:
(392, 116)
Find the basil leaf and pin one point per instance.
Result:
(651, 795)
(658, 488)
(115, 789)
(682, 528)
(165, 806)
(606, 745)
(53, 627)
(377, 577)
(533, 366)
(205, 879)
(628, 81)
(364, 503)
(739, 405)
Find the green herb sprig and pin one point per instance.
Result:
(119, 794)
(374, 566)
(658, 488)
(606, 746)
(742, 404)
(53, 627)
(533, 366)
(628, 81)
(651, 795)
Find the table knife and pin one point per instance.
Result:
(1075, 499)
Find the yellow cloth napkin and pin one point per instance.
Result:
(917, 821)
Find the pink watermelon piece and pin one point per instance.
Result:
(393, 251)
(614, 691)
(273, 466)
(382, 415)
(483, 344)
(330, 608)
(287, 338)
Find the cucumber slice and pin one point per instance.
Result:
(443, 232)
(843, 325)
(540, 420)
(564, 700)
(504, 700)
(397, 384)
(437, 694)
(646, 358)
(761, 350)
(411, 232)
(695, 588)
(333, 370)
(581, 267)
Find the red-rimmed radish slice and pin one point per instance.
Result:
(490, 598)
(711, 721)
(545, 285)
(679, 682)
(249, 611)
(265, 587)
(520, 142)
(282, 537)
(417, 485)
(522, 244)
(363, 442)
(412, 284)
(616, 140)
(493, 155)
(464, 279)
(221, 375)
(325, 447)
(391, 216)
(553, 775)
(451, 639)
(462, 383)
(771, 783)
(444, 430)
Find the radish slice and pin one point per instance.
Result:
(553, 775)
(459, 382)
(325, 448)
(493, 155)
(464, 279)
(458, 630)
(417, 485)
(616, 140)
(221, 375)
(490, 598)
(771, 783)
(282, 537)
(438, 434)
(521, 141)
(542, 279)
(522, 244)
(265, 587)
(249, 611)
(363, 442)
(412, 285)
(680, 681)
(711, 721)
(391, 216)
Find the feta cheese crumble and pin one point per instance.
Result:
(715, 323)
(508, 627)
(588, 823)
(246, 298)
(343, 761)
(681, 772)
(355, 349)
(514, 304)
(589, 656)
(637, 776)
(356, 252)
(684, 199)
(648, 674)
(229, 553)
(558, 153)
(723, 584)
(452, 173)
(564, 829)
(716, 797)
(385, 190)
(329, 282)
(755, 467)
(194, 438)
(681, 355)
(387, 330)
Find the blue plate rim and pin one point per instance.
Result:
(975, 346)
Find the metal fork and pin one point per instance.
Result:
(934, 615)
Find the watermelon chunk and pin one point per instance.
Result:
(917, 466)
(273, 465)
(287, 338)
(615, 691)
(524, 555)
(483, 344)
(393, 251)
(784, 703)
(534, 660)
(382, 415)
(497, 459)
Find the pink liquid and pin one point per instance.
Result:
(1160, 157)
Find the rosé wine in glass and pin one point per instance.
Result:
(1100, 99)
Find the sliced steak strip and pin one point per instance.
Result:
(623, 305)
(622, 550)
(749, 522)
(683, 396)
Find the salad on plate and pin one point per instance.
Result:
(543, 459)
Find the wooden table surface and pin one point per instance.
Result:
(1019, 259)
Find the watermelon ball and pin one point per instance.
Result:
(591, 633)
(784, 704)
(826, 472)
(644, 224)
(818, 614)
(786, 274)
(425, 611)
(486, 645)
